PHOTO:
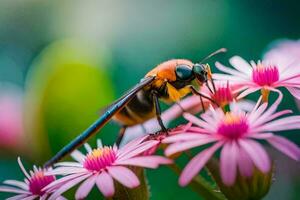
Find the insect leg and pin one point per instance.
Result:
(158, 112)
(121, 135)
(194, 91)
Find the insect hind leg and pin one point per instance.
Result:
(121, 135)
(158, 113)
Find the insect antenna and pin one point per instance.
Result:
(222, 50)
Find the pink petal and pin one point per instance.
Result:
(262, 136)
(182, 146)
(257, 153)
(124, 175)
(17, 183)
(231, 71)
(228, 162)
(69, 164)
(140, 149)
(199, 122)
(182, 137)
(105, 184)
(17, 197)
(241, 65)
(68, 185)
(245, 163)
(285, 146)
(85, 188)
(32, 197)
(78, 156)
(23, 168)
(61, 181)
(232, 79)
(247, 91)
(145, 161)
(131, 145)
(196, 164)
(66, 170)
(294, 91)
(13, 190)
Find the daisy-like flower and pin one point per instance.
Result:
(265, 76)
(31, 187)
(236, 133)
(284, 52)
(103, 165)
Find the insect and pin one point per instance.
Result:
(169, 81)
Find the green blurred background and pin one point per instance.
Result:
(62, 61)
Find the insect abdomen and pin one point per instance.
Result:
(138, 110)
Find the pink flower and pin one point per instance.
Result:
(103, 165)
(236, 133)
(265, 76)
(32, 186)
(11, 117)
(284, 53)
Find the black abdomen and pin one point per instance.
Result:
(138, 110)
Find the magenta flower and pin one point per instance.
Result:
(32, 186)
(236, 133)
(265, 76)
(103, 165)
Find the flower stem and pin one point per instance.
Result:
(201, 186)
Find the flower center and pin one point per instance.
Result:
(233, 126)
(223, 95)
(99, 158)
(265, 75)
(38, 181)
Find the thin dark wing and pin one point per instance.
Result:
(97, 125)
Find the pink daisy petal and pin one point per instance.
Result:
(247, 92)
(18, 197)
(140, 149)
(196, 164)
(133, 144)
(294, 91)
(285, 146)
(61, 181)
(228, 70)
(19, 184)
(198, 122)
(257, 153)
(124, 175)
(31, 197)
(241, 65)
(68, 164)
(245, 163)
(262, 136)
(13, 190)
(78, 156)
(85, 188)
(182, 146)
(23, 168)
(145, 161)
(183, 137)
(228, 162)
(68, 185)
(105, 184)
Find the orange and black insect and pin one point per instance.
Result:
(169, 81)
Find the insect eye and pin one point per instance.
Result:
(184, 72)
(200, 72)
